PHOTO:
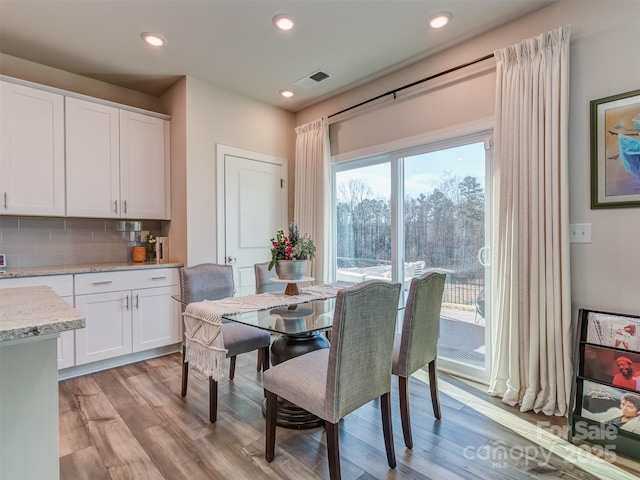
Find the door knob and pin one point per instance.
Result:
(231, 260)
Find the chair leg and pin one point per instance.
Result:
(270, 445)
(213, 400)
(433, 384)
(260, 361)
(266, 362)
(405, 417)
(333, 450)
(385, 405)
(185, 372)
(232, 368)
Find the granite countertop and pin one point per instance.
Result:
(31, 311)
(85, 268)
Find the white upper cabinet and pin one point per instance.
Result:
(93, 159)
(117, 162)
(144, 166)
(31, 151)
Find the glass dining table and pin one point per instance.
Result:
(299, 328)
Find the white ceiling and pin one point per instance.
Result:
(233, 44)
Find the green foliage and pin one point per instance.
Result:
(291, 246)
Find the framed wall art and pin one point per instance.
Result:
(615, 151)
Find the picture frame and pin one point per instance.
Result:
(615, 151)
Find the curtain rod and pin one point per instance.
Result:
(417, 82)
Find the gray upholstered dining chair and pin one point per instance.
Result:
(354, 370)
(417, 344)
(210, 281)
(263, 274)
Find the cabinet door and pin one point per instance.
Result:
(93, 159)
(31, 151)
(156, 318)
(144, 165)
(108, 330)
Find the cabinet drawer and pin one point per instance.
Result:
(60, 284)
(156, 277)
(99, 282)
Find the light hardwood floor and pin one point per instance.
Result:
(131, 423)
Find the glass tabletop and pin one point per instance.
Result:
(294, 320)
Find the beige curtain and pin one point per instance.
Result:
(531, 302)
(312, 201)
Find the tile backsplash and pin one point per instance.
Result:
(43, 242)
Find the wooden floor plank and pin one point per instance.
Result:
(121, 453)
(84, 464)
(171, 456)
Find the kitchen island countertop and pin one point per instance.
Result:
(33, 311)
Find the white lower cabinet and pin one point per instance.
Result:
(152, 325)
(108, 330)
(126, 312)
(63, 286)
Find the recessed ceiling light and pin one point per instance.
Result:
(154, 39)
(283, 21)
(439, 20)
(286, 93)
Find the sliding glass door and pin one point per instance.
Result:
(440, 224)
(445, 230)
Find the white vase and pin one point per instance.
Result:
(290, 269)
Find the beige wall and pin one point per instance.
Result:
(175, 101)
(213, 116)
(606, 273)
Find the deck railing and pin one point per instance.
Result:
(459, 289)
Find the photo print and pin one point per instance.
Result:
(611, 406)
(620, 369)
(612, 330)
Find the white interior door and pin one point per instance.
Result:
(255, 206)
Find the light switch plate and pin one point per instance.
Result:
(580, 232)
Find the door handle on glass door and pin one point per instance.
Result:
(483, 257)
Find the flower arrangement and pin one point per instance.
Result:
(151, 248)
(292, 246)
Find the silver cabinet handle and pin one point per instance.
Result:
(5, 200)
(125, 206)
(127, 302)
(103, 282)
(137, 301)
(115, 202)
(158, 278)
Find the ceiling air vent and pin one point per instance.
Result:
(313, 79)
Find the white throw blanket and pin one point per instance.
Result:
(203, 327)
